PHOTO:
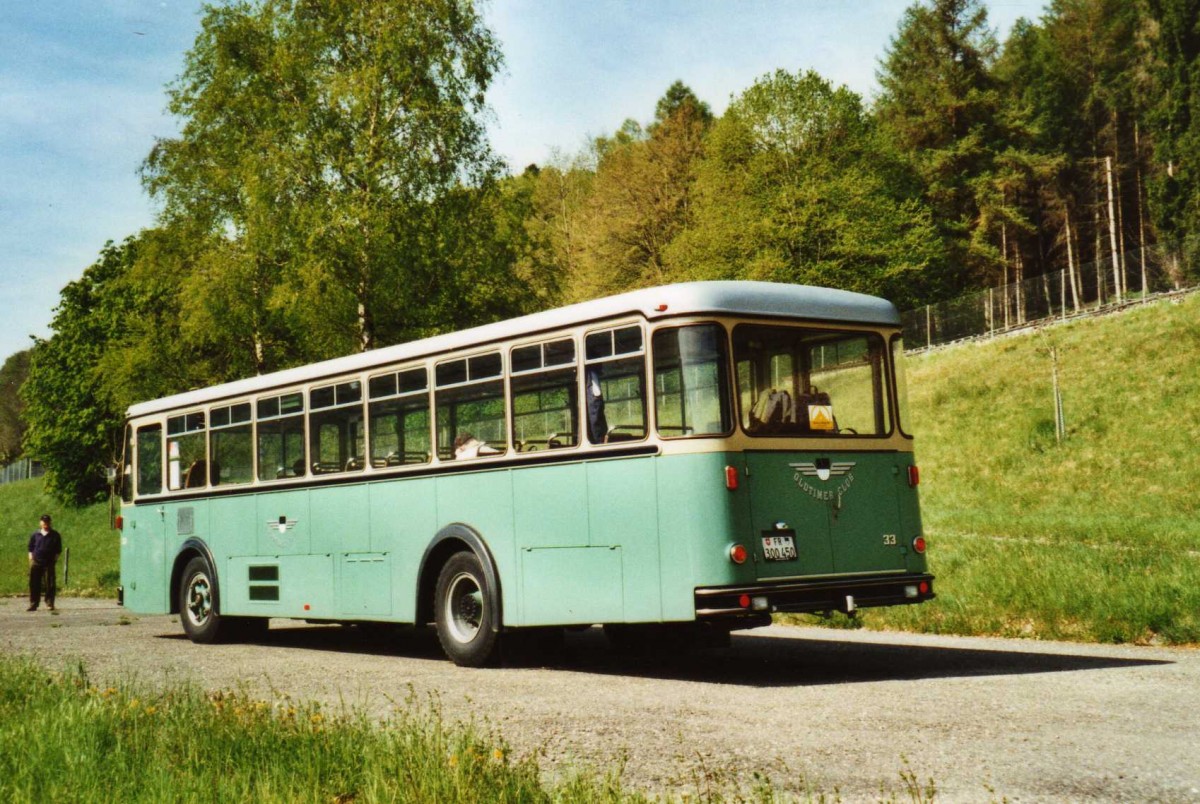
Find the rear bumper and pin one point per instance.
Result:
(826, 594)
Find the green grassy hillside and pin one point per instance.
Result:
(94, 546)
(1096, 538)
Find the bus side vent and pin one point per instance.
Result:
(185, 521)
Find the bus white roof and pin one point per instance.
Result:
(688, 298)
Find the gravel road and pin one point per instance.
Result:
(812, 709)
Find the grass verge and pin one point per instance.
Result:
(65, 738)
(95, 547)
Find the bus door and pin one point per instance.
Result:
(144, 572)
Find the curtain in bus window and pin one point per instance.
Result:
(690, 381)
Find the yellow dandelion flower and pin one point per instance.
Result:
(498, 755)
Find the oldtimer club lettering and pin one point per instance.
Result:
(802, 471)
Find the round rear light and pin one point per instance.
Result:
(919, 544)
(924, 587)
(738, 554)
(744, 601)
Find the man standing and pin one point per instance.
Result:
(45, 545)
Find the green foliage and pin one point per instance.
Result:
(1173, 28)
(12, 427)
(71, 413)
(797, 186)
(325, 158)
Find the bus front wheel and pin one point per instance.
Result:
(197, 595)
(462, 611)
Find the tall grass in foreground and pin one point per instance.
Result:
(65, 738)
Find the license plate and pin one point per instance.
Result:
(779, 548)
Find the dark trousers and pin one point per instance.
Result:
(42, 577)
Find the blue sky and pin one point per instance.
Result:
(82, 100)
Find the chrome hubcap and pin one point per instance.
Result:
(464, 607)
(199, 600)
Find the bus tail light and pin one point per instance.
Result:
(119, 522)
(919, 544)
(744, 601)
(914, 476)
(738, 554)
(731, 478)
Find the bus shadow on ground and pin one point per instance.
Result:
(754, 661)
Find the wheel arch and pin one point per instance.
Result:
(456, 538)
(192, 548)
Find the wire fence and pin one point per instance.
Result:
(21, 469)
(1135, 276)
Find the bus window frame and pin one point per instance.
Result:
(159, 424)
(577, 404)
(343, 467)
(396, 371)
(730, 379)
(229, 405)
(479, 351)
(900, 411)
(302, 414)
(828, 328)
(647, 395)
(184, 486)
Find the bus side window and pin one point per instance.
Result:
(187, 451)
(470, 400)
(280, 437)
(616, 377)
(544, 386)
(691, 386)
(399, 419)
(149, 460)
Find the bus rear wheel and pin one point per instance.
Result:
(463, 613)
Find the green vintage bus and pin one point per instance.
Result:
(687, 458)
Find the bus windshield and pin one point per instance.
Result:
(812, 383)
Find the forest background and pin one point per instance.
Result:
(332, 190)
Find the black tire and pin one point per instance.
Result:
(464, 614)
(197, 603)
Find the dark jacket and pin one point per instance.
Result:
(45, 546)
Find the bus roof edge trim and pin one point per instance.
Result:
(687, 298)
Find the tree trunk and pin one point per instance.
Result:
(1112, 229)
(1071, 263)
(1004, 266)
(1137, 174)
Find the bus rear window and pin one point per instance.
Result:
(691, 386)
(801, 382)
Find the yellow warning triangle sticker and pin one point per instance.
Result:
(820, 417)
